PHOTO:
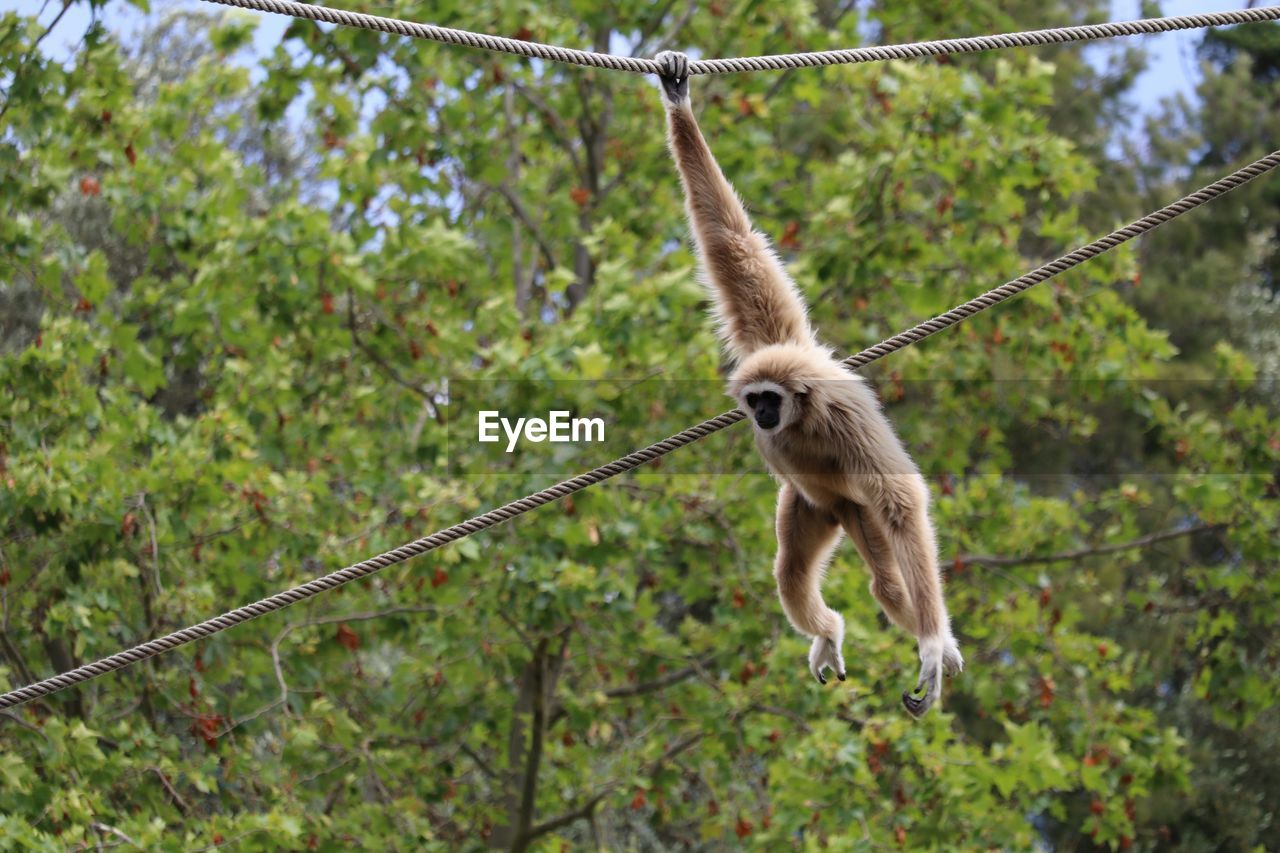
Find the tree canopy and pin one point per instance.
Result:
(250, 299)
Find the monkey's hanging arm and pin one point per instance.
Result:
(738, 260)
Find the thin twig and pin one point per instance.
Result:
(386, 369)
(35, 46)
(111, 830)
(174, 796)
(544, 248)
(1081, 553)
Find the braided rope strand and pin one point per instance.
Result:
(1056, 35)
(633, 65)
(633, 460)
(447, 35)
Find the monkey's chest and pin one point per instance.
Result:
(817, 474)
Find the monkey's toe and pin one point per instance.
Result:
(930, 682)
(825, 654)
(917, 708)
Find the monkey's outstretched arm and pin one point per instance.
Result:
(757, 303)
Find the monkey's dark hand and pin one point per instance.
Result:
(674, 74)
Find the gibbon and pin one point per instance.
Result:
(818, 427)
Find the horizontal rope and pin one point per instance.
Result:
(1057, 35)
(633, 460)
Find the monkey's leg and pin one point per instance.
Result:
(886, 580)
(903, 517)
(806, 538)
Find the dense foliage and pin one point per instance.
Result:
(237, 280)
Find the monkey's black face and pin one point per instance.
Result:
(766, 408)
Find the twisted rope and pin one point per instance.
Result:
(1097, 247)
(447, 35)
(494, 517)
(1057, 35)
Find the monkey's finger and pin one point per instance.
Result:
(917, 708)
(672, 64)
(930, 682)
(816, 667)
(678, 64)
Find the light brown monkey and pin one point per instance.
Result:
(818, 427)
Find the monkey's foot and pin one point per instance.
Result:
(936, 654)
(674, 74)
(825, 653)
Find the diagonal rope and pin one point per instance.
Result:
(494, 517)
(1104, 244)
(1057, 35)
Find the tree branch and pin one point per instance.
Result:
(105, 829)
(523, 215)
(480, 762)
(583, 811)
(523, 288)
(174, 796)
(647, 31)
(665, 40)
(586, 809)
(386, 369)
(529, 788)
(657, 684)
(782, 712)
(22, 64)
(554, 123)
(15, 657)
(1081, 553)
(641, 689)
(10, 715)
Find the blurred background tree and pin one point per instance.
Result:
(237, 282)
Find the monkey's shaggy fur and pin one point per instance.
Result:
(818, 427)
